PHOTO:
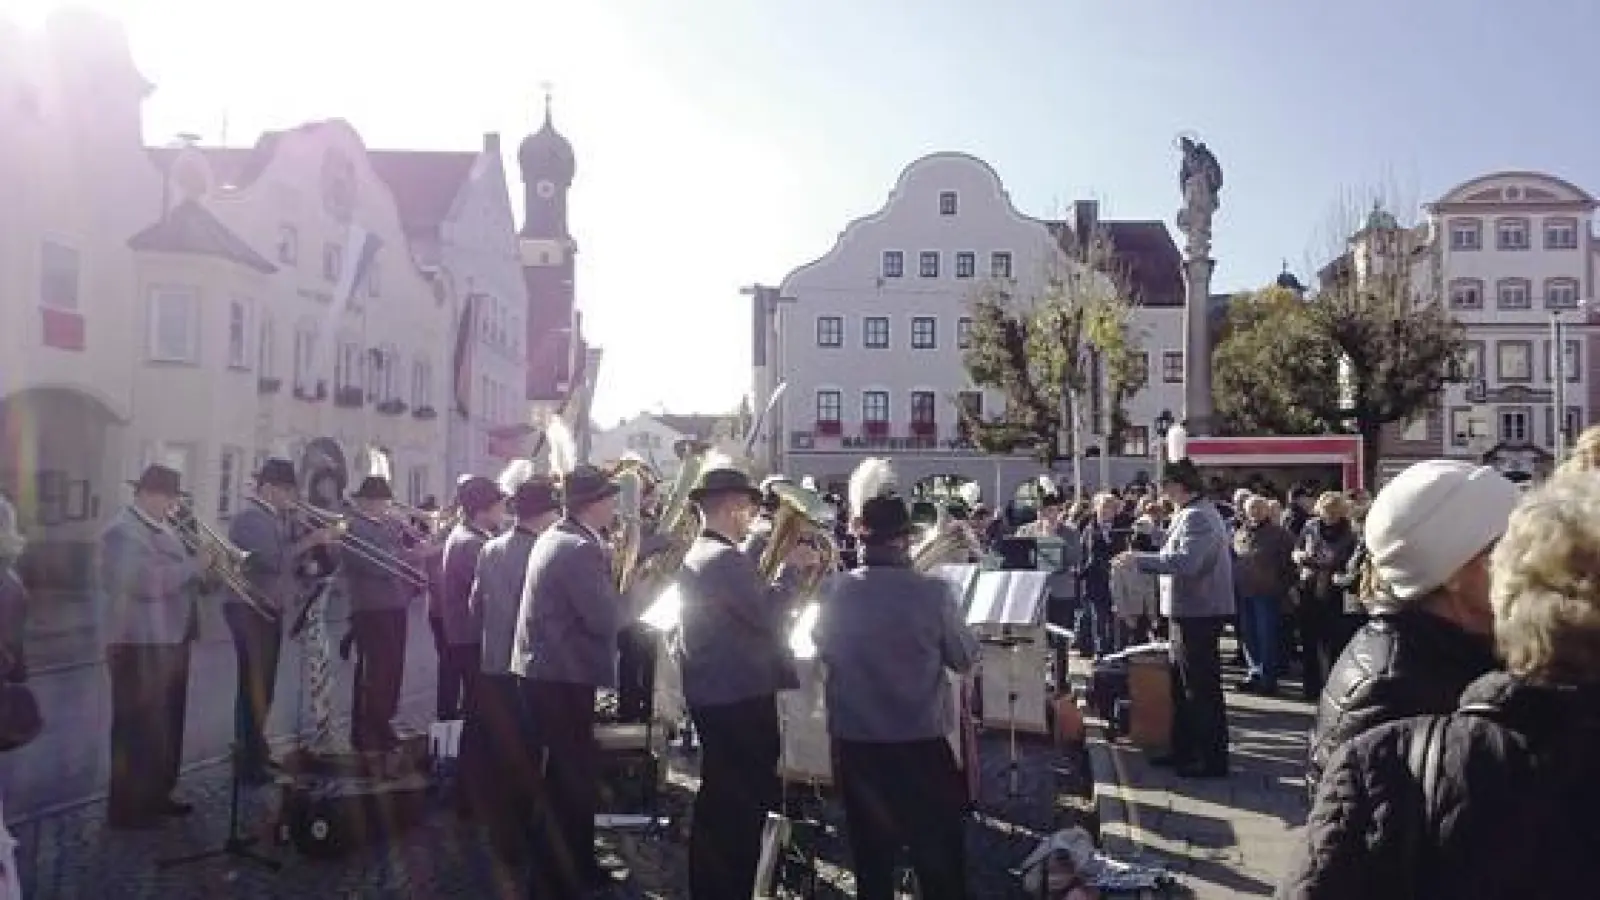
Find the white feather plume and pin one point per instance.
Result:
(1177, 443)
(872, 478)
(378, 465)
(515, 475)
(716, 459)
(808, 483)
(971, 493)
(1047, 484)
(562, 446)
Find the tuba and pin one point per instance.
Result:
(678, 522)
(802, 517)
(948, 540)
(631, 476)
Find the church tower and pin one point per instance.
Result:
(554, 342)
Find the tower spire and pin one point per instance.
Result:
(548, 89)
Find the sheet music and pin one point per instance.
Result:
(1008, 597)
(960, 575)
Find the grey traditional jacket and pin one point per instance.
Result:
(373, 588)
(458, 570)
(264, 534)
(571, 611)
(887, 635)
(733, 641)
(496, 597)
(148, 581)
(1197, 560)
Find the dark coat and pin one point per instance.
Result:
(1098, 551)
(570, 613)
(1397, 665)
(1261, 560)
(1512, 814)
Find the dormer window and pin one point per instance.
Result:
(947, 203)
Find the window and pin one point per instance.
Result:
(305, 356)
(971, 405)
(1511, 234)
(830, 331)
(416, 485)
(1572, 424)
(928, 264)
(1571, 361)
(875, 406)
(388, 374)
(230, 478)
(875, 332)
(1466, 234)
(1514, 360)
(1514, 425)
(374, 278)
(267, 349)
(829, 404)
(1513, 293)
(963, 333)
(1472, 363)
(1460, 426)
(1000, 264)
(1561, 234)
(1466, 293)
(332, 261)
(947, 203)
(894, 263)
(238, 333)
(421, 384)
(1136, 440)
(1561, 293)
(174, 325)
(288, 245)
(1141, 368)
(58, 276)
(922, 408)
(923, 333)
(1172, 366)
(966, 264)
(348, 372)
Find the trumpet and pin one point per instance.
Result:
(803, 517)
(315, 517)
(228, 562)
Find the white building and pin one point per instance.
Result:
(869, 338)
(1512, 252)
(652, 437)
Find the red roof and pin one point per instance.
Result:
(424, 182)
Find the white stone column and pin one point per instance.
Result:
(1197, 345)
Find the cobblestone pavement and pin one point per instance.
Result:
(1225, 838)
(73, 857)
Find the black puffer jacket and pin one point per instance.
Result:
(1512, 815)
(1397, 665)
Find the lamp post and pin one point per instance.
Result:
(1162, 424)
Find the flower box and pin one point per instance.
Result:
(350, 397)
(392, 408)
(924, 429)
(425, 413)
(312, 393)
(269, 385)
(829, 428)
(875, 429)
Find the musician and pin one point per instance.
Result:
(637, 642)
(760, 528)
(503, 784)
(887, 635)
(483, 506)
(13, 596)
(261, 528)
(1062, 607)
(379, 600)
(565, 649)
(734, 654)
(1102, 540)
(150, 584)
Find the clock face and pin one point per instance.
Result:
(545, 189)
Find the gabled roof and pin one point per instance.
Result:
(189, 228)
(425, 183)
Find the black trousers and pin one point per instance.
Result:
(1324, 630)
(738, 785)
(257, 644)
(504, 784)
(561, 716)
(1199, 713)
(907, 795)
(636, 672)
(380, 669)
(458, 668)
(149, 699)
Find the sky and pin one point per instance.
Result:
(722, 143)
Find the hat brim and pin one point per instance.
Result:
(153, 489)
(698, 494)
(611, 489)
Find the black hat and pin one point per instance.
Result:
(727, 481)
(885, 518)
(535, 497)
(957, 511)
(1052, 499)
(1184, 473)
(158, 480)
(429, 503)
(374, 488)
(586, 485)
(475, 493)
(278, 473)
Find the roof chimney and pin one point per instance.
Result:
(491, 142)
(1085, 218)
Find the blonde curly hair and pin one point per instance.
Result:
(1545, 583)
(1585, 454)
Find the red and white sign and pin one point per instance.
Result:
(1343, 450)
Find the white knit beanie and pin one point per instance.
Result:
(1432, 519)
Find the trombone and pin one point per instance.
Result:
(316, 517)
(227, 560)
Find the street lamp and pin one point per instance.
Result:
(1162, 424)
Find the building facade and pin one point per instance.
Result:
(652, 437)
(868, 339)
(1513, 257)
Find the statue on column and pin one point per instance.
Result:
(1200, 181)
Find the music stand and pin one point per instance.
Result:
(237, 845)
(1005, 603)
